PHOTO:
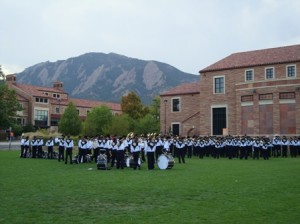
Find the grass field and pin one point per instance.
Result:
(200, 191)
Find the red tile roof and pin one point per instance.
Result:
(269, 56)
(94, 103)
(37, 90)
(186, 88)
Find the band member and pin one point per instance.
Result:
(143, 145)
(284, 142)
(22, 147)
(61, 148)
(151, 147)
(40, 143)
(159, 147)
(34, 147)
(189, 144)
(181, 148)
(120, 153)
(107, 147)
(26, 147)
(69, 148)
(96, 147)
(256, 148)
(50, 144)
(167, 144)
(83, 146)
(135, 150)
(114, 148)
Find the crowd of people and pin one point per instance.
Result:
(115, 150)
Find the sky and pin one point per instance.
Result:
(187, 34)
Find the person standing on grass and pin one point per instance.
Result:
(22, 147)
(40, 143)
(34, 147)
(135, 149)
(150, 150)
(61, 148)
(69, 144)
(285, 142)
(121, 145)
(181, 148)
(26, 147)
(114, 147)
(50, 144)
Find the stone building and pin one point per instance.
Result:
(253, 93)
(44, 106)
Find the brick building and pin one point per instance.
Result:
(253, 93)
(43, 106)
(179, 110)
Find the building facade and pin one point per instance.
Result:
(43, 106)
(253, 93)
(179, 110)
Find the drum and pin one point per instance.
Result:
(101, 162)
(165, 161)
(130, 161)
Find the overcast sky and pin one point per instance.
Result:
(187, 34)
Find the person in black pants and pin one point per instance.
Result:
(150, 149)
(181, 148)
(135, 150)
(34, 147)
(69, 148)
(120, 153)
(61, 148)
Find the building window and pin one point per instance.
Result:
(77, 112)
(175, 105)
(269, 72)
(248, 98)
(41, 100)
(284, 96)
(57, 110)
(249, 75)
(268, 96)
(291, 71)
(41, 117)
(219, 85)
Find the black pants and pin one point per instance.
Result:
(150, 159)
(181, 155)
(190, 151)
(113, 157)
(26, 147)
(69, 154)
(136, 156)
(34, 151)
(158, 151)
(50, 152)
(22, 151)
(120, 159)
(61, 153)
(96, 154)
(40, 151)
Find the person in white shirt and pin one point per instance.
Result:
(120, 153)
(61, 148)
(34, 147)
(135, 149)
(150, 150)
(22, 147)
(50, 144)
(40, 143)
(69, 144)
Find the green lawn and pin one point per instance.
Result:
(200, 191)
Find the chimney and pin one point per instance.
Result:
(58, 85)
(11, 79)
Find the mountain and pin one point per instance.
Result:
(107, 77)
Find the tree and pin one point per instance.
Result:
(120, 125)
(97, 120)
(9, 105)
(132, 105)
(70, 123)
(154, 108)
(147, 124)
(2, 76)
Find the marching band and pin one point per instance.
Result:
(132, 150)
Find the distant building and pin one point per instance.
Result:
(253, 93)
(44, 106)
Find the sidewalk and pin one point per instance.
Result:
(14, 145)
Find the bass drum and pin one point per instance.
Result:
(130, 162)
(165, 162)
